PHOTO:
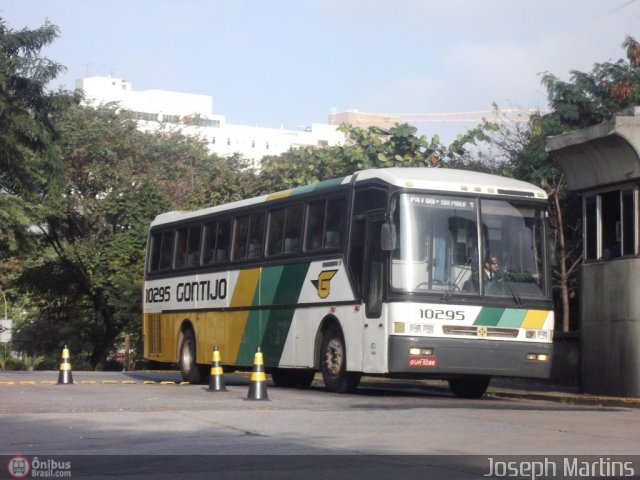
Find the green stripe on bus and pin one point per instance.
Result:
(489, 316)
(279, 285)
(317, 186)
(279, 324)
(258, 319)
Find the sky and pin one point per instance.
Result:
(289, 63)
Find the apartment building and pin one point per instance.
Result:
(193, 114)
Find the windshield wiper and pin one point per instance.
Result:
(454, 286)
(512, 292)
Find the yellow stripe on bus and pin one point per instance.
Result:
(234, 323)
(535, 319)
(279, 195)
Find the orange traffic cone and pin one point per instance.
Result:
(65, 377)
(216, 379)
(258, 385)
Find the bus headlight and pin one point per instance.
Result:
(421, 351)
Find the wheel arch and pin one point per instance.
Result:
(185, 325)
(327, 322)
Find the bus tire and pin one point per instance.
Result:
(333, 363)
(293, 377)
(189, 369)
(469, 386)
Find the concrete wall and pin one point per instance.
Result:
(610, 327)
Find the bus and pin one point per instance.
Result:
(420, 273)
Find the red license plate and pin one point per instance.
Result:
(423, 361)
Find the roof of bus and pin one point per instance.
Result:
(436, 179)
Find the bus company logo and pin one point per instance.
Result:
(323, 283)
(18, 467)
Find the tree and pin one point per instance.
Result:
(586, 99)
(590, 98)
(85, 277)
(364, 148)
(27, 156)
(29, 165)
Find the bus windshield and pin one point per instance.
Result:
(439, 244)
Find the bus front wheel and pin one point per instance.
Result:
(470, 386)
(191, 372)
(333, 363)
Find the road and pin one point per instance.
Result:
(122, 415)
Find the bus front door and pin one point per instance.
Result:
(374, 331)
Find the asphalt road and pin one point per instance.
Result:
(115, 420)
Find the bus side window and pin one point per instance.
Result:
(336, 212)
(325, 224)
(240, 237)
(209, 253)
(256, 235)
(223, 240)
(248, 237)
(154, 255)
(166, 251)
(293, 228)
(276, 231)
(314, 225)
(193, 246)
(285, 227)
(369, 198)
(181, 248)
(187, 247)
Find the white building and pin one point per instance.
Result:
(193, 114)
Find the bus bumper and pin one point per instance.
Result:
(424, 357)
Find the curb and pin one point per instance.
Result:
(566, 398)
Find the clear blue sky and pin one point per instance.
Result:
(289, 62)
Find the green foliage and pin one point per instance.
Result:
(586, 99)
(590, 98)
(364, 148)
(27, 158)
(28, 161)
(85, 275)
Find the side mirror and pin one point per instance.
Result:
(388, 238)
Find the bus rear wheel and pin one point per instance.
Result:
(293, 377)
(333, 363)
(191, 372)
(469, 386)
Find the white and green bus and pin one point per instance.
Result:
(400, 272)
